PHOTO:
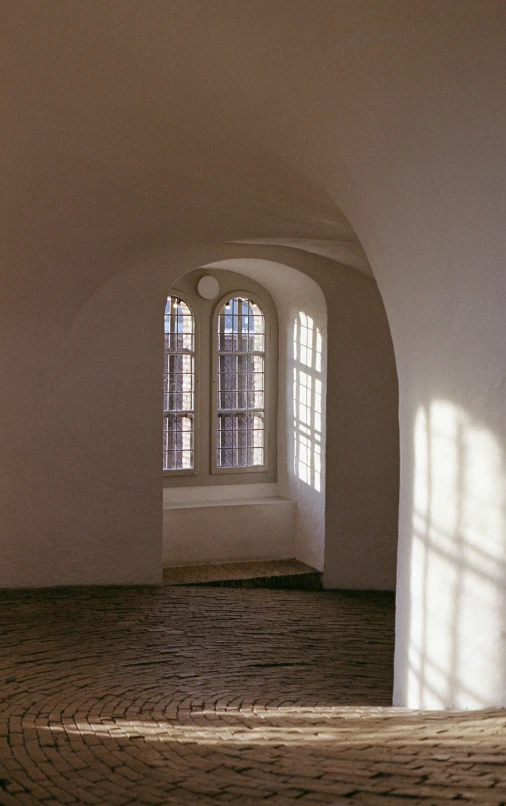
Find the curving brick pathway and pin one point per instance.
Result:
(214, 695)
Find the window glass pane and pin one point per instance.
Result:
(241, 382)
(178, 386)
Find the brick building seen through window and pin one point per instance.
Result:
(234, 410)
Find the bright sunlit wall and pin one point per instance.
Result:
(457, 608)
(307, 401)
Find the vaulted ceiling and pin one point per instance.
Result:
(132, 125)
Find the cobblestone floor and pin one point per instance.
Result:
(209, 695)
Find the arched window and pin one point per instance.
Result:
(240, 384)
(226, 347)
(179, 387)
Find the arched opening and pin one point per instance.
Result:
(353, 529)
(337, 431)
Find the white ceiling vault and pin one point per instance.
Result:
(130, 126)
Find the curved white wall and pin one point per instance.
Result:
(262, 121)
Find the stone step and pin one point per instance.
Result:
(281, 574)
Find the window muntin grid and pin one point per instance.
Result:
(240, 427)
(179, 386)
(307, 400)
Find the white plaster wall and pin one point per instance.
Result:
(228, 530)
(116, 149)
(229, 522)
(193, 123)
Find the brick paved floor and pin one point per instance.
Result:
(213, 695)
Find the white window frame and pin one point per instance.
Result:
(269, 403)
(193, 471)
(205, 313)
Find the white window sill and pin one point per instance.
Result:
(225, 495)
(244, 502)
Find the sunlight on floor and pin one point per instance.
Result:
(296, 726)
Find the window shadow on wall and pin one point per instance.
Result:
(458, 561)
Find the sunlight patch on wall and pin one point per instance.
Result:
(307, 400)
(458, 561)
